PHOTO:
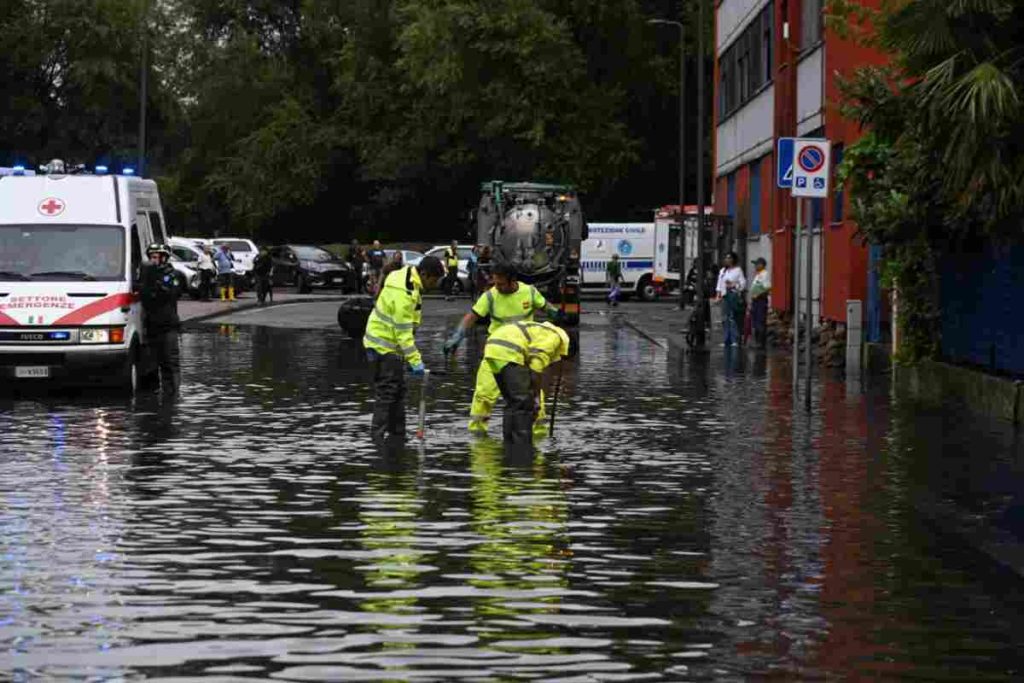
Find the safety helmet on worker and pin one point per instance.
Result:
(158, 248)
(563, 335)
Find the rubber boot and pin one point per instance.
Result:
(223, 294)
(478, 426)
(231, 294)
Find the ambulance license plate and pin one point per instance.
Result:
(41, 372)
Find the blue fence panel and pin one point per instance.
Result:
(982, 316)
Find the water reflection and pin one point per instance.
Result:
(684, 522)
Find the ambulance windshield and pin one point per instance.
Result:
(62, 252)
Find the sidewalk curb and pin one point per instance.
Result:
(250, 306)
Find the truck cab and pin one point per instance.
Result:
(72, 247)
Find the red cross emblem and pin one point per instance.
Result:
(51, 207)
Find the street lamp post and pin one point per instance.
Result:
(699, 334)
(682, 106)
(143, 85)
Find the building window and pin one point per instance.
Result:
(837, 190)
(745, 66)
(810, 23)
(730, 194)
(755, 197)
(767, 31)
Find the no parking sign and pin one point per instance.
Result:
(811, 167)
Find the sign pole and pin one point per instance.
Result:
(809, 323)
(796, 301)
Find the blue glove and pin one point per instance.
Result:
(418, 370)
(453, 341)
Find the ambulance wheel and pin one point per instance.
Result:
(129, 377)
(646, 289)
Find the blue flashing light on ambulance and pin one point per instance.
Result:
(71, 251)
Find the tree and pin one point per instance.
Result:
(942, 165)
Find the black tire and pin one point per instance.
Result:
(645, 289)
(129, 379)
(457, 288)
(354, 314)
(302, 285)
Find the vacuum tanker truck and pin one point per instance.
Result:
(538, 229)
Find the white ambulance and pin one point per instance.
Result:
(71, 249)
(675, 240)
(634, 243)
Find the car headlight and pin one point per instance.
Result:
(101, 335)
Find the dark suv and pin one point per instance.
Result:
(306, 266)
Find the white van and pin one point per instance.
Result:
(634, 243)
(71, 250)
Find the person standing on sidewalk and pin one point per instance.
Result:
(760, 288)
(357, 259)
(262, 268)
(207, 274)
(159, 289)
(613, 275)
(729, 292)
(225, 273)
(472, 269)
(376, 259)
(451, 264)
(390, 342)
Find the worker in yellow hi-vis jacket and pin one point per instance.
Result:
(516, 355)
(391, 343)
(508, 301)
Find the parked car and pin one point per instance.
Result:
(185, 259)
(305, 266)
(463, 283)
(409, 257)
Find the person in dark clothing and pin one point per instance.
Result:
(759, 291)
(357, 259)
(160, 289)
(613, 275)
(262, 268)
(376, 258)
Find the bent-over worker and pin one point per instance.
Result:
(516, 356)
(508, 301)
(391, 343)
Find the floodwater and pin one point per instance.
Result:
(685, 523)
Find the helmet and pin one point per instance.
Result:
(566, 345)
(158, 248)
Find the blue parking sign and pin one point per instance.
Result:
(784, 157)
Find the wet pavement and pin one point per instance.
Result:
(684, 523)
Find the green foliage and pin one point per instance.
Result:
(322, 119)
(942, 165)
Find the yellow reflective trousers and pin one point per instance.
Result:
(486, 394)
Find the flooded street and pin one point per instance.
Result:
(683, 523)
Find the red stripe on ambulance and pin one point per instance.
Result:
(87, 313)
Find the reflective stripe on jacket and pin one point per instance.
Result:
(536, 345)
(516, 307)
(396, 315)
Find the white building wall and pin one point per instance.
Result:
(809, 99)
(732, 17)
(747, 134)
